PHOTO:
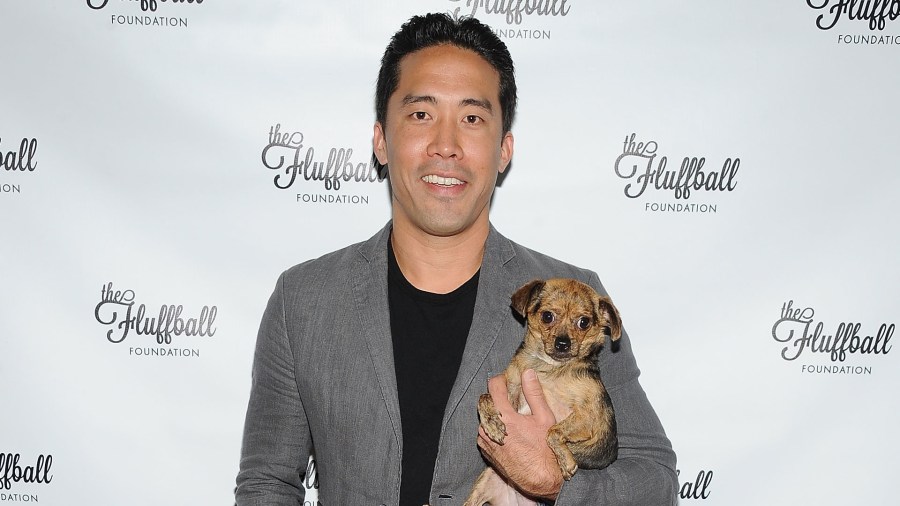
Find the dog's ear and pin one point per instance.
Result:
(522, 299)
(610, 314)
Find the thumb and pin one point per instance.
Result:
(534, 396)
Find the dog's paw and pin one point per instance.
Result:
(490, 419)
(495, 429)
(564, 458)
(569, 472)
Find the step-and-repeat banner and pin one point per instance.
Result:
(730, 169)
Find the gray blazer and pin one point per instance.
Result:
(323, 379)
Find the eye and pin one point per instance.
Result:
(584, 323)
(420, 115)
(473, 119)
(547, 317)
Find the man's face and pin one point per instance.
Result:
(443, 140)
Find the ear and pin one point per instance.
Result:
(524, 295)
(379, 145)
(506, 151)
(610, 314)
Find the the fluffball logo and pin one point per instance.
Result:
(169, 328)
(13, 161)
(698, 488)
(871, 14)
(645, 171)
(803, 336)
(288, 154)
(513, 13)
(15, 470)
(875, 13)
(147, 7)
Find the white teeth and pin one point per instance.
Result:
(443, 181)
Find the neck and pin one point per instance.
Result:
(438, 264)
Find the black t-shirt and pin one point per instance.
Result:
(429, 334)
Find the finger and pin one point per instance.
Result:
(534, 395)
(483, 440)
(488, 447)
(499, 393)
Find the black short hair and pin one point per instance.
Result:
(434, 29)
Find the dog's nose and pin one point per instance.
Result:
(562, 344)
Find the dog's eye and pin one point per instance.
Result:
(547, 317)
(584, 323)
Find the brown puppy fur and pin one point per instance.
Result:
(566, 324)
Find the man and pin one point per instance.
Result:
(375, 355)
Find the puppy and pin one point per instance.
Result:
(566, 324)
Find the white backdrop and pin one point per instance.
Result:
(134, 152)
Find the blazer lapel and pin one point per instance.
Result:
(370, 271)
(492, 309)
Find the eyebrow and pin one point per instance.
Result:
(415, 99)
(484, 104)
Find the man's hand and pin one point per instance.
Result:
(524, 458)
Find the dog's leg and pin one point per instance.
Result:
(557, 439)
(587, 435)
(491, 489)
(488, 489)
(490, 419)
(595, 443)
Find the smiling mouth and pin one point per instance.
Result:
(442, 181)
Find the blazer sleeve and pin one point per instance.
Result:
(644, 473)
(276, 442)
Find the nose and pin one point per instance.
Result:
(445, 140)
(562, 344)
